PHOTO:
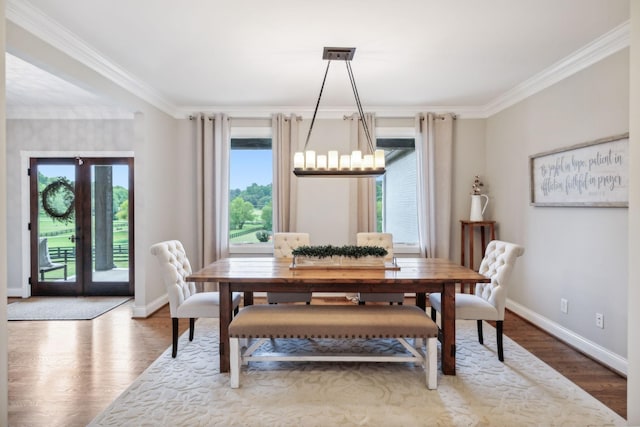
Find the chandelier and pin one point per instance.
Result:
(334, 164)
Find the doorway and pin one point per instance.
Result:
(81, 226)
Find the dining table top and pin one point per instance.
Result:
(282, 270)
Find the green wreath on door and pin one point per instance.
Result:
(58, 200)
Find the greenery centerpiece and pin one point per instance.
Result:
(347, 255)
(349, 251)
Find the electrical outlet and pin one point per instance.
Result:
(564, 305)
(600, 320)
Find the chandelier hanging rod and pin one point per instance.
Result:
(313, 119)
(359, 105)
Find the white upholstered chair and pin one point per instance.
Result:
(184, 301)
(488, 302)
(283, 245)
(383, 240)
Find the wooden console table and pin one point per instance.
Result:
(469, 227)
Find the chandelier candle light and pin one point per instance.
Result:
(308, 163)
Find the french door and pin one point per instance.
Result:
(81, 226)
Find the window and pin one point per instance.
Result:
(397, 208)
(250, 184)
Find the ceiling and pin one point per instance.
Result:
(256, 57)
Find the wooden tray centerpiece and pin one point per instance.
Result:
(347, 256)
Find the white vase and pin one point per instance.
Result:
(477, 207)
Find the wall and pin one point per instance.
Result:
(4, 367)
(161, 186)
(575, 253)
(468, 161)
(633, 378)
(42, 136)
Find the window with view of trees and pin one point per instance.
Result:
(397, 208)
(250, 195)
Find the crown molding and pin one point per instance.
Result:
(25, 15)
(306, 112)
(608, 44)
(32, 19)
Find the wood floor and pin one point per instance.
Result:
(64, 373)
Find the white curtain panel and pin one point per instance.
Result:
(213, 146)
(434, 152)
(285, 184)
(366, 187)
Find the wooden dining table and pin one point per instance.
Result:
(407, 275)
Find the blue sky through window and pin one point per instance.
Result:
(250, 166)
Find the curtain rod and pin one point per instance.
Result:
(192, 117)
(438, 116)
(299, 118)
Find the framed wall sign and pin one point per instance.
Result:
(594, 173)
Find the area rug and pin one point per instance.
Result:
(62, 308)
(190, 391)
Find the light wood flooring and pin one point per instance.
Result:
(64, 373)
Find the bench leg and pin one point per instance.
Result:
(234, 362)
(432, 363)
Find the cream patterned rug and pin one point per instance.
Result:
(190, 390)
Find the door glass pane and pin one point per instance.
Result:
(56, 223)
(110, 223)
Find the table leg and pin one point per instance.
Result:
(248, 298)
(226, 308)
(448, 325)
(462, 242)
(421, 300)
(471, 244)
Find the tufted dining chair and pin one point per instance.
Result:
(283, 245)
(184, 301)
(383, 240)
(489, 300)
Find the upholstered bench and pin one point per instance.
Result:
(334, 321)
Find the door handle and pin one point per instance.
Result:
(73, 238)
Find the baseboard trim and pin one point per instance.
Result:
(15, 293)
(138, 311)
(612, 360)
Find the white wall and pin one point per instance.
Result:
(72, 137)
(4, 368)
(468, 161)
(633, 378)
(161, 191)
(575, 253)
